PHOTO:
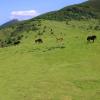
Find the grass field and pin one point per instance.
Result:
(52, 70)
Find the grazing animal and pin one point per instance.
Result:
(92, 37)
(38, 41)
(16, 43)
(59, 39)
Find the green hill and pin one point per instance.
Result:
(86, 10)
(53, 70)
(12, 33)
(95, 5)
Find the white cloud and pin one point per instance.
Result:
(24, 14)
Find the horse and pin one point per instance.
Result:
(39, 41)
(59, 39)
(92, 37)
(16, 43)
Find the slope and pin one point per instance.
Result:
(67, 70)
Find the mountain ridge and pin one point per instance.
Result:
(13, 21)
(85, 10)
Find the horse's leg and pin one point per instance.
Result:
(88, 41)
(93, 40)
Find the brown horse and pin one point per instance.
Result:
(59, 39)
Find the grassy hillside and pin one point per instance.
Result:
(13, 33)
(67, 70)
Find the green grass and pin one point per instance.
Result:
(46, 71)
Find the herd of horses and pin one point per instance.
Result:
(39, 40)
(89, 39)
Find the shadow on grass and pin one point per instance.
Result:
(46, 49)
(54, 48)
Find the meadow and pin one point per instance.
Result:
(67, 70)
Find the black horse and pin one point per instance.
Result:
(38, 41)
(92, 37)
(16, 43)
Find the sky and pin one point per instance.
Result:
(26, 9)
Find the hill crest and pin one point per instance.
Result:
(85, 10)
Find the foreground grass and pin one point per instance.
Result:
(48, 71)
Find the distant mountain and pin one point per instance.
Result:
(9, 23)
(85, 10)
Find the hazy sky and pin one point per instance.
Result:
(24, 9)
